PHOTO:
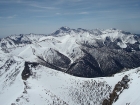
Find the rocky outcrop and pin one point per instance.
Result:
(118, 89)
(27, 72)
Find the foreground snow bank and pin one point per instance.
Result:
(50, 87)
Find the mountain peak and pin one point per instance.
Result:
(113, 29)
(64, 28)
(61, 30)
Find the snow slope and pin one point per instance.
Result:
(47, 86)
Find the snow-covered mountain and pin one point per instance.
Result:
(79, 52)
(34, 69)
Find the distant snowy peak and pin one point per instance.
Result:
(30, 37)
(61, 31)
(119, 37)
(19, 40)
(68, 31)
(64, 28)
(95, 37)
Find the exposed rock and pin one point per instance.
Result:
(118, 89)
(27, 72)
(106, 102)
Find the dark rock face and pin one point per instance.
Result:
(103, 62)
(87, 66)
(55, 60)
(27, 72)
(84, 68)
(58, 59)
(96, 62)
(118, 89)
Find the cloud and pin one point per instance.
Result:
(58, 13)
(43, 16)
(10, 1)
(83, 13)
(76, 13)
(9, 17)
(13, 16)
(66, 1)
(19, 1)
(36, 10)
(4, 1)
(43, 7)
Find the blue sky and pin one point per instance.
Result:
(46, 16)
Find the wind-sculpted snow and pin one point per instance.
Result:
(89, 92)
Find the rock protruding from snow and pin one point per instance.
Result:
(26, 73)
(118, 89)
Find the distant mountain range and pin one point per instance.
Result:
(79, 52)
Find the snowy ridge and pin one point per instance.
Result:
(53, 87)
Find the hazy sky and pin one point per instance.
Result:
(45, 16)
